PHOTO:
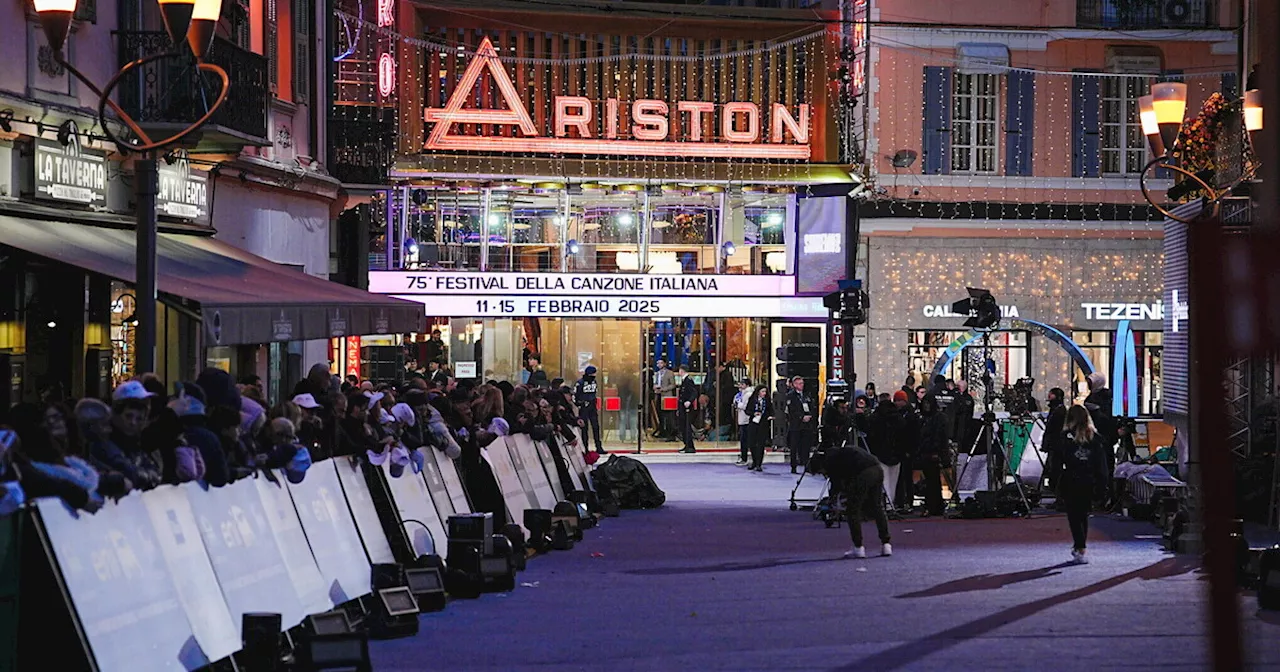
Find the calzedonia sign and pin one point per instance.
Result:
(739, 129)
(183, 192)
(69, 174)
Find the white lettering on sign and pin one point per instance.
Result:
(837, 351)
(822, 243)
(70, 173)
(488, 305)
(1114, 312)
(945, 311)
(634, 285)
(1180, 311)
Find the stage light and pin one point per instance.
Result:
(538, 522)
(348, 651)
(427, 586)
(52, 324)
(260, 641)
(494, 220)
(395, 612)
(411, 245)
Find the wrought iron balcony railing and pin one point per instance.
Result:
(1146, 14)
(172, 91)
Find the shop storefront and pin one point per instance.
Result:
(1068, 307)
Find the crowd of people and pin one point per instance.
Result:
(874, 449)
(216, 430)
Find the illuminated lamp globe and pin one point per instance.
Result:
(1253, 110)
(204, 22)
(177, 17)
(1150, 127)
(1169, 102)
(55, 18)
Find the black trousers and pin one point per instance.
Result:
(686, 418)
(800, 442)
(933, 488)
(906, 495)
(863, 495)
(759, 435)
(1079, 500)
(744, 441)
(589, 415)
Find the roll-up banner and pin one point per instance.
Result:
(522, 448)
(292, 542)
(549, 467)
(508, 481)
(452, 481)
(243, 550)
(331, 533)
(356, 490)
(413, 503)
(184, 552)
(522, 472)
(120, 587)
(436, 486)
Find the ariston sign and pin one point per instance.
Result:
(576, 130)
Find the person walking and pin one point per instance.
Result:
(688, 408)
(860, 476)
(800, 423)
(759, 413)
(740, 401)
(584, 396)
(1084, 475)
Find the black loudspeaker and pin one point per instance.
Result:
(515, 534)
(471, 528)
(498, 569)
(260, 642)
(567, 513)
(1269, 579)
(427, 586)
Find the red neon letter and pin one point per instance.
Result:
(572, 111)
(727, 114)
(696, 110)
(780, 117)
(650, 118)
(611, 118)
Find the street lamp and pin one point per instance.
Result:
(1162, 114)
(186, 21)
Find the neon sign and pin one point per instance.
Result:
(386, 13)
(386, 75)
(740, 129)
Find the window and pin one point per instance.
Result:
(1124, 150)
(1098, 346)
(302, 42)
(1010, 350)
(271, 43)
(973, 123)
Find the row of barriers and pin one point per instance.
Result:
(160, 580)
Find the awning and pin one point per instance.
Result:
(982, 58)
(243, 298)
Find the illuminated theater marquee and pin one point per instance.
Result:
(740, 133)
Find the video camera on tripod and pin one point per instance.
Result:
(1017, 397)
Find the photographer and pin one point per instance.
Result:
(859, 476)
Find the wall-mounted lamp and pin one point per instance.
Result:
(68, 132)
(411, 245)
(6, 120)
(727, 248)
(571, 248)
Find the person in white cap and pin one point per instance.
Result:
(311, 427)
(130, 411)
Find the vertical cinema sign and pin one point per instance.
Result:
(575, 128)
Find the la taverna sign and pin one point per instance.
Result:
(576, 130)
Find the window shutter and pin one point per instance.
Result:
(271, 44)
(935, 139)
(302, 43)
(1085, 110)
(1230, 85)
(1019, 124)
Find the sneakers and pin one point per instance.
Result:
(857, 552)
(739, 462)
(886, 550)
(1078, 557)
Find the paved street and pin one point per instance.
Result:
(724, 577)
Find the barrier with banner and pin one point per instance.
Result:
(243, 551)
(435, 485)
(513, 492)
(527, 461)
(549, 466)
(508, 443)
(413, 503)
(356, 490)
(331, 534)
(298, 558)
(452, 481)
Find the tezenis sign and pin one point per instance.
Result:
(575, 130)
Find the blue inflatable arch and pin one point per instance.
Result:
(1052, 333)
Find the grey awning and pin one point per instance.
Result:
(243, 298)
(982, 58)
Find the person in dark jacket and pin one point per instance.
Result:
(687, 411)
(960, 413)
(895, 431)
(585, 397)
(1098, 403)
(801, 417)
(1084, 475)
(859, 475)
(1053, 428)
(836, 424)
(759, 433)
(933, 452)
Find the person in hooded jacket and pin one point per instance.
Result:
(1054, 425)
(934, 452)
(1084, 475)
(895, 431)
(45, 469)
(1099, 405)
(585, 398)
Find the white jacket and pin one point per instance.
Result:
(740, 404)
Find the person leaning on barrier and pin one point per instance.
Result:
(858, 475)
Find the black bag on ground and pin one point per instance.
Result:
(629, 482)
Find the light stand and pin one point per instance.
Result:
(187, 21)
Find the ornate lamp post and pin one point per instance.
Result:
(187, 21)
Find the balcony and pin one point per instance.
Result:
(165, 96)
(1146, 14)
(362, 143)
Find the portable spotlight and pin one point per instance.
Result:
(427, 586)
(539, 522)
(981, 308)
(395, 612)
(567, 513)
